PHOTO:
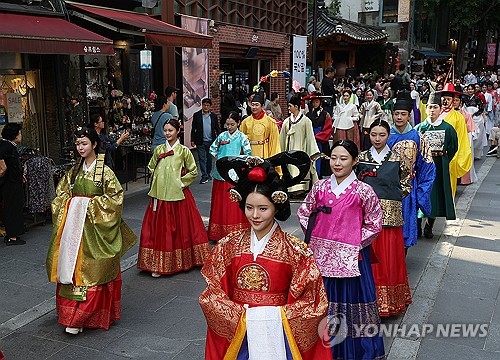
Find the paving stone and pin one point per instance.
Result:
(138, 345)
(77, 353)
(19, 346)
(27, 274)
(195, 350)
(471, 284)
(493, 338)
(5, 315)
(444, 350)
(16, 299)
(451, 307)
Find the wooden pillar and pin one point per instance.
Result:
(328, 58)
(352, 58)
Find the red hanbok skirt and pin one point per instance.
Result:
(98, 311)
(390, 275)
(225, 215)
(173, 238)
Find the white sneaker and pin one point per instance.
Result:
(74, 331)
(155, 275)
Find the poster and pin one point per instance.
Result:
(492, 47)
(15, 108)
(194, 75)
(299, 59)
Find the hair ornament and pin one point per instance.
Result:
(234, 195)
(279, 197)
(257, 175)
(253, 161)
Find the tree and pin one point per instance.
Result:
(481, 14)
(334, 8)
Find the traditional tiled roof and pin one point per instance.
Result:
(350, 31)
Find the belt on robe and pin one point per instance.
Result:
(438, 153)
(258, 142)
(312, 220)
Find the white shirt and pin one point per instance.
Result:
(344, 116)
(489, 101)
(257, 246)
(311, 88)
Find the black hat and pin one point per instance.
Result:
(259, 97)
(295, 100)
(435, 98)
(404, 101)
(252, 171)
(170, 90)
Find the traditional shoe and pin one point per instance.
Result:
(155, 275)
(492, 152)
(18, 241)
(428, 232)
(73, 331)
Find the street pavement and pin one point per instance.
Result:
(454, 278)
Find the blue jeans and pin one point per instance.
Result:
(205, 159)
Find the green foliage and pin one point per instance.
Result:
(334, 8)
(485, 13)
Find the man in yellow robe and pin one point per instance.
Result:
(261, 130)
(462, 161)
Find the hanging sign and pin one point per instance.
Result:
(145, 56)
(15, 107)
(299, 59)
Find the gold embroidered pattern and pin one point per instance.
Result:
(170, 262)
(252, 277)
(392, 300)
(393, 212)
(217, 231)
(260, 299)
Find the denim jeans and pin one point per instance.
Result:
(205, 158)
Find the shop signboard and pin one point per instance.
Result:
(15, 107)
(299, 59)
(492, 47)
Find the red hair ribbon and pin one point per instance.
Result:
(368, 173)
(257, 174)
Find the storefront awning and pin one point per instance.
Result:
(155, 31)
(432, 54)
(23, 33)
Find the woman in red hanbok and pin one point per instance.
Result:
(264, 297)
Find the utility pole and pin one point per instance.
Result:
(314, 36)
(410, 33)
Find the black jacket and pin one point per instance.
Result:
(197, 129)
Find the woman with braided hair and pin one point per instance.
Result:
(264, 297)
(88, 239)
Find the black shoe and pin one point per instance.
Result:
(11, 242)
(492, 152)
(203, 180)
(428, 232)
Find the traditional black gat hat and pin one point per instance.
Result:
(404, 101)
(259, 97)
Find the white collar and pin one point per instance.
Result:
(12, 142)
(233, 135)
(338, 188)
(257, 246)
(87, 169)
(294, 119)
(435, 123)
(378, 157)
(173, 146)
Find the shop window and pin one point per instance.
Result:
(389, 11)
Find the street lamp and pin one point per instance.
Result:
(453, 46)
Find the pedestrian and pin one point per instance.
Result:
(461, 163)
(204, 131)
(342, 216)
(173, 237)
(389, 176)
(264, 297)
(261, 130)
(312, 85)
(11, 184)
(171, 94)
(470, 176)
(410, 145)
(225, 216)
(328, 89)
(346, 118)
(322, 127)
(106, 144)
(88, 239)
(475, 107)
(415, 116)
(387, 106)
(297, 134)
(158, 120)
(443, 143)
(275, 107)
(489, 112)
(369, 111)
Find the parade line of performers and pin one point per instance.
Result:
(270, 295)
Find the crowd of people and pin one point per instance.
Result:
(373, 165)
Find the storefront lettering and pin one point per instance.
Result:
(92, 49)
(369, 5)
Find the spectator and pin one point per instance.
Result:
(205, 130)
(158, 121)
(328, 89)
(312, 84)
(275, 107)
(11, 184)
(228, 105)
(171, 94)
(106, 145)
